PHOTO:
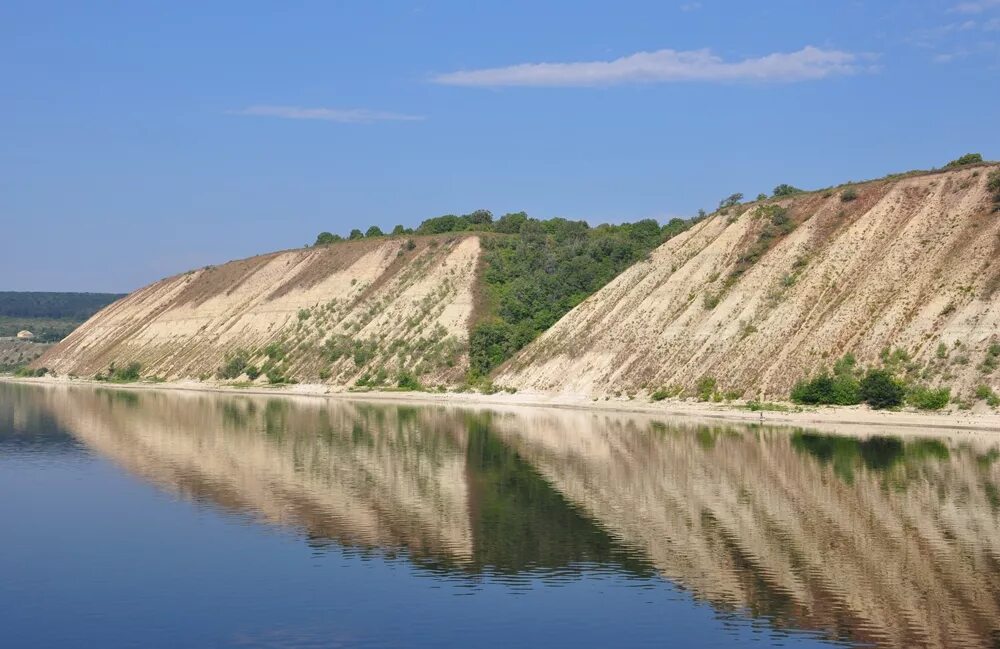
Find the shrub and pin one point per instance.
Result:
(705, 387)
(235, 365)
(841, 389)
(275, 376)
(967, 159)
(659, 395)
(993, 184)
(785, 190)
(410, 244)
(929, 398)
(252, 372)
(407, 381)
(879, 389)
(710, 300)
(304, 314)
(324, 238)
(762, 196)
(848, 195)
(730, 201)
(374, 231)
(356, 234)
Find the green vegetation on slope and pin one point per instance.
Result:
(538, 271)
(50, 316)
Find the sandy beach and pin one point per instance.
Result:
(839, 419)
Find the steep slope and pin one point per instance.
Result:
(333, 313)
(762, 294)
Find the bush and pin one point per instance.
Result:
(967, 159)
(324, 238)
(705, 387)
(785, 190)
(374, 231)
(234, 366)
(407, 381)
(848, 195)
(929, 398)
(252, 372)
(730, 201)
(659, 395)
(839, 390)
(993, 184)
(879, 389)
(356, 234)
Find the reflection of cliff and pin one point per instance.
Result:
(878, 540)
(361, 476)
(434, 482)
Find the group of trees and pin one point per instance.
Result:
(877, 387)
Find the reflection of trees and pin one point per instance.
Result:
(884, 539)
(877, 539)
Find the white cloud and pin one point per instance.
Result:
(975, 7)
(691, 6)
(664, 66)
(343, 115)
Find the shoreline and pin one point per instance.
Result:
(852, 419)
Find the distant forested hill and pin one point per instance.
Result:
(50, 316)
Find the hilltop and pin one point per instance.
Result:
(439, 306)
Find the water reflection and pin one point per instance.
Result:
(886, 540)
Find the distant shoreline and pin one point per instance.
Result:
(842, 419)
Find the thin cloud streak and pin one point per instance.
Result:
(342, 115)
(976, 7)
(664, 66)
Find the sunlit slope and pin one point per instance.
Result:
(911, 262)
(328, 313)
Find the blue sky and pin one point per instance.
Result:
(144, 139)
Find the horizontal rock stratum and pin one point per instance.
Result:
(764, 293)
(323, 313)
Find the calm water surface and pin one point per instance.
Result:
(166, 519)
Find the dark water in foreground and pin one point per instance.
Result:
(149, 519)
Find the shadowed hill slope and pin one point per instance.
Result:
(759, 295)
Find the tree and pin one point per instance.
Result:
(398, 230)
(762, 196)
(731, 201)
(785, 190)
(356, 234)
(324, 238)
(480, 217)
(967, 159)
(879, 389)
(374, 231)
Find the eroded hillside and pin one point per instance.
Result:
(356, 309)
(764, 293)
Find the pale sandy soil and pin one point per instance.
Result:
(847, 420)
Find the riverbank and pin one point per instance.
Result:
(845, 419)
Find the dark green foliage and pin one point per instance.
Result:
(252, 372)
(705, 387)
(128, 374)
(480, 220)
(356, 234)
(928, 398)
(785, 190)
(374, 231)
(411, 244)
(534, 278)
(400, 230)
(50, 316)
(730, 201)
(848, 195)
(879, 389)
(659, 395)
(28, 372)
(967, 159)
(407, 381)
(276, 376)
(274, 352)
(762, 196)
(236, 363)
(324, 238)
(841, 390)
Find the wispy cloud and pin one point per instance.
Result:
(343, 115)
(665, 66)
(975, 6)
(691, 6)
